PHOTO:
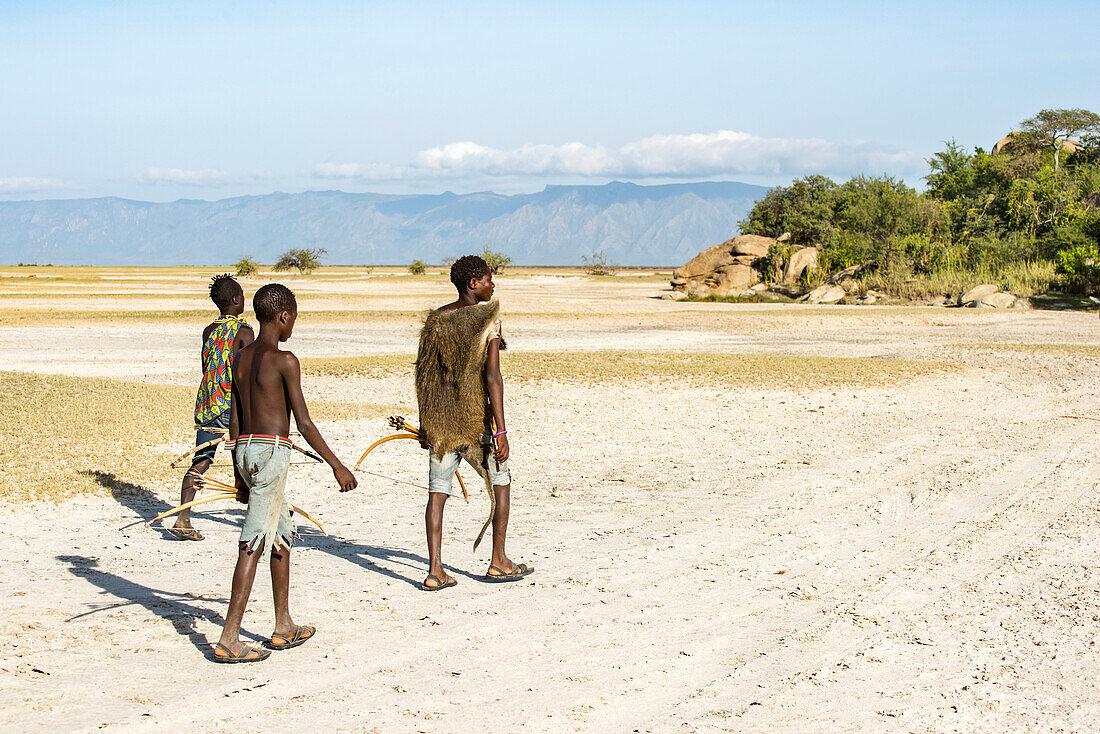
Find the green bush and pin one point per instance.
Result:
(417, 267)
(1080, 268)
(771, 265)
(247, 266)
(843, 252)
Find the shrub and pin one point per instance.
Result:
(305, 260)
(772, 263)
(496, 261)
(597, 264)
(1079, 267)
(417, 267)
(247, 266)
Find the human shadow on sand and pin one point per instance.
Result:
(147, 505)
(365, 556)
(181, 609)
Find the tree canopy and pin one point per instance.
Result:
(979, 211)
(1058, 126)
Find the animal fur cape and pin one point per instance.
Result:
(450, 386)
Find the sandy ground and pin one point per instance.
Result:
(911, 557)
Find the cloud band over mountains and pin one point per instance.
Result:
(701, 155)
(682, 157)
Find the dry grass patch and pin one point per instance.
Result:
(65, 317)
(1087, 350)
(69, 435)
(754, 369)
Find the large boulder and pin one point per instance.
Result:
(723, 269)
(977, 293)
(799, 262)
(998, 300)
(732, 279)
(752, 245)
(825, 294)
(706, 262)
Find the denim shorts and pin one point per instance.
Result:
(263, 462)
(202, 435)
(441, 473)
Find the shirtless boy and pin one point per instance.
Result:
(485, 415)
(221, 340)
(267, 388)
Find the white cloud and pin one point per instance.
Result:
(366, 172)
(703, 155)
(26, 184)
(204, 177)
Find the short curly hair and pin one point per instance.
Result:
(271, 300)
(467, 268)
(222, 290)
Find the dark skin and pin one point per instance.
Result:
(477, 291)
(267, 390)
(245, 336)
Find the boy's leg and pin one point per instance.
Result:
(204, 434)
(433, 524)
(287, 634)
(243, 576)
(441, 474)
(500, 565)
(500, 527)
(286, 631)
(187, 492)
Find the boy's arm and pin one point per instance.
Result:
(244, 337)
(292, 379)
(234, 432)
(494, 385)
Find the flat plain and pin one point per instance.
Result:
(744, 517)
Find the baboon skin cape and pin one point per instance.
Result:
(450, 386)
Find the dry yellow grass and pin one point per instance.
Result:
(63, 436)
(1088, 350)
(64, 317)
(744, 369)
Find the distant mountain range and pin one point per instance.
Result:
(628, 223)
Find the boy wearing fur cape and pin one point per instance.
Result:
(461, 396)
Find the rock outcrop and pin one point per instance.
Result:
(1068, 146)
(988, 295)
(824, 294)
(977, 293)
(735, 267)
(799, 262)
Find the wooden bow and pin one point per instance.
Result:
(409, 431)
(226, 491)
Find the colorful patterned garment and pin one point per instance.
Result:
(217, 357)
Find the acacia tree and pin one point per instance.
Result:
(496, 261)
(305, 260)
(1057, 126)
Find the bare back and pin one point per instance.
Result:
(260, 389)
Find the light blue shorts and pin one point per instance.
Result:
(263, 462)
(441, 473)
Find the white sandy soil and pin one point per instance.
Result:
(921, 556)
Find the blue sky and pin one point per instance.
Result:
(160, 101)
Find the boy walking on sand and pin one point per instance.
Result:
(461, 395)
(267, 388)
(221, 340)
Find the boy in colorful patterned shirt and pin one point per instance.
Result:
(221, 340)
